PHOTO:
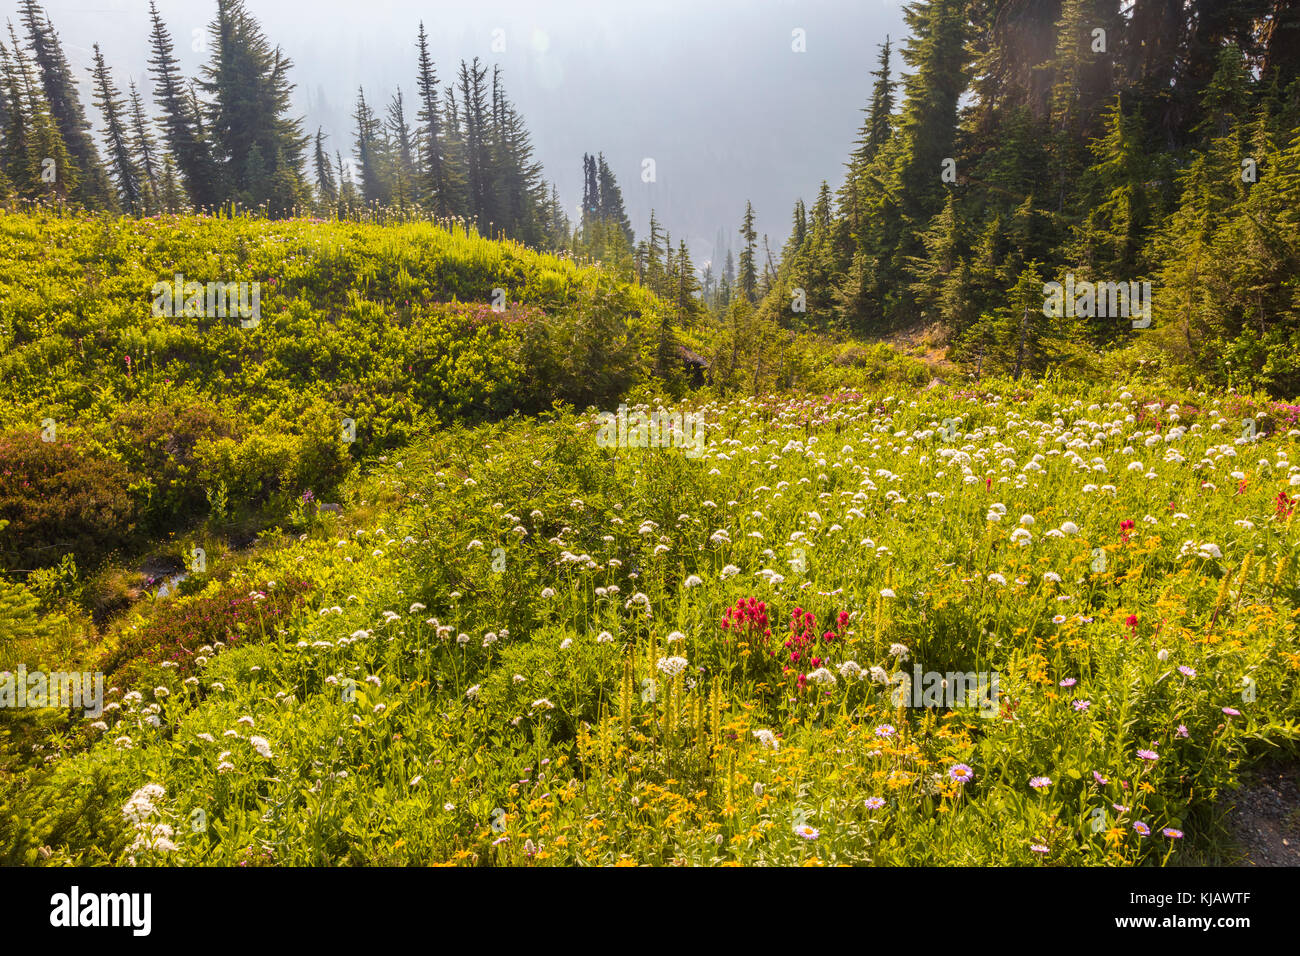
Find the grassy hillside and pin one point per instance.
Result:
(156, 422)
(178, 416)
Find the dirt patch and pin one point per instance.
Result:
(1264, 821)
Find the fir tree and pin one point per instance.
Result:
(438, 187)
(108, 99)
(64, 107)
(144, 149)
(182, 124)
(326, 187)
(748, 280)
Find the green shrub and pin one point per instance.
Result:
(60, 500)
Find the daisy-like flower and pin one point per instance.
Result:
(1059, 619)
(1069, 682)
(807, 832)
(1100, 779)
(875, 803)
(1149, 755)
(1040, 848)
(1172, 833)
(1232, 712)
(1186, 671)
(1120, 808)
(885, 730)
(1040, 783)
(1082, 705)
(1182, 731)
(961, 773)
(1141, 828)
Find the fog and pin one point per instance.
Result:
(713, 92)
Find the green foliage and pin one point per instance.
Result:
(477, 670)
(370, 323)
(60, 499)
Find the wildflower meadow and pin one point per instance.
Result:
(516, 646)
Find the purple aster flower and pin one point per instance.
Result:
(1231, 712)
(1182, 731)
(1120, 808)
(1040, 783)
(1069, 682)
(961, 773)
(885, 730)
(1040, 848)
(1099, 778)
(1142, 829)
(1082, 705)
(1186, 671)
(875, 803)
(1149, 755)
(1172, 833)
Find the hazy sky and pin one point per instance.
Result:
(711, 90)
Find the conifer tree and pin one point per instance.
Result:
(126, 174)
(439, 180)
(748, 279)
(258, 146)
(63, 104)
(611, 199)
(326, 187)
(475, 143)
(144, 150)
(370, 154)
(182, 124)
(402, 156)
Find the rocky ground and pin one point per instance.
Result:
(1265, 817)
